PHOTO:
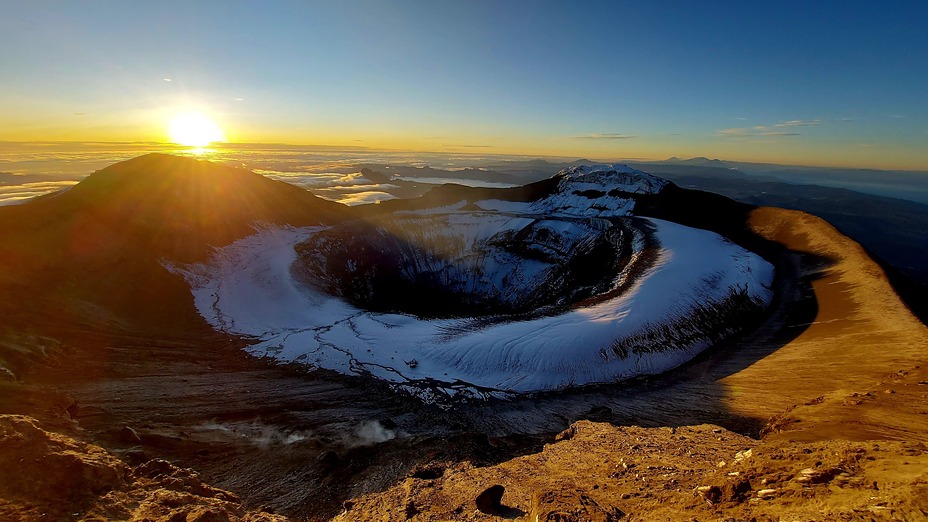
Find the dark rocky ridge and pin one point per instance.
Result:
(91, 255)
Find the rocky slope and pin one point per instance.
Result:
(120, 220)
(599, 472)
(90, 257)
(50, 476)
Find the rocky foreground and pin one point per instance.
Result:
(49, 476)
(599, 472)
(592, 471)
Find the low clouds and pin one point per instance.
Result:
(317, 180)
(605, 136)
(783, 128)
(750, 132)
(797, 123)
(349, 189)
(12, 193)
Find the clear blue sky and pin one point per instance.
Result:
(811, 82)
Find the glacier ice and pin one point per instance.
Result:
(566, 290)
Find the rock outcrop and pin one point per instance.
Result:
(51, 476)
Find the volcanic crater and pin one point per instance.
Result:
(531, 289)
(473, 264)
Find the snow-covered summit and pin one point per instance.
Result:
(597, 191)
(621, 178)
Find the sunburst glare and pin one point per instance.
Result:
(193, 129)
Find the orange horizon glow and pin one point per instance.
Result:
(857, 158)
(205, 133)
(197, 124)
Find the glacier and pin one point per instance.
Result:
(651, 296)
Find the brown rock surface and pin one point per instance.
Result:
(50, 476)
(861, 332)
(607, 473)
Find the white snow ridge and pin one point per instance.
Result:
(568, 290)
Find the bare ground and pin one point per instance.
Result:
(836, 375)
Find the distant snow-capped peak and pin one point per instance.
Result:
(610, 177)
(597, 191)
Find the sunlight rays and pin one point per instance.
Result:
(193, 129)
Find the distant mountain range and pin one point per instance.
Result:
(696, 162)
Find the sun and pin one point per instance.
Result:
(192, 129)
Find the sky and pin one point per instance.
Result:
(818, 83)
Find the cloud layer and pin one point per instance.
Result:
(772, 130)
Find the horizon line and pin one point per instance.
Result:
(231, 144)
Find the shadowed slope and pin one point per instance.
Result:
(93, 253)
